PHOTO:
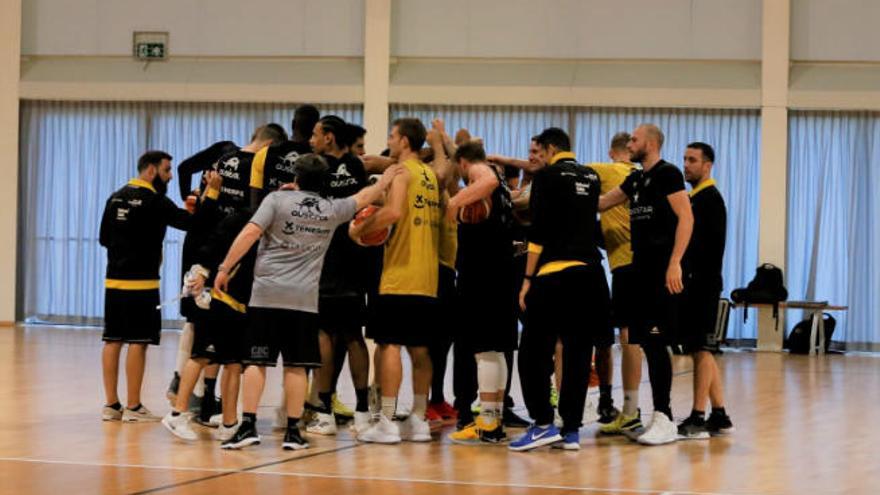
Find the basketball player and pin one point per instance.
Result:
(294, 229)
(341, 305)
(132, 229)
(408, 288)
(565, 293)
(704, 258)
(487, 298)
(661, 222)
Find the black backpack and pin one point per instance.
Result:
(798, 341)
(766, 288)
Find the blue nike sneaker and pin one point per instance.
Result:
(536, 437)
(570, 441)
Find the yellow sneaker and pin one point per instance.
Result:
(340, 409)
(622, 424)
(469, 435)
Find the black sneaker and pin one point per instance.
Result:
(171, 394)
(512, 420)
(244, 436)
(607, 412)
(719, 424)
(494, 436)
(293, 440)
(693, 428)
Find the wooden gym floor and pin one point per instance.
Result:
(804, 426)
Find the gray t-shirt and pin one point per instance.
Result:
(297, 229)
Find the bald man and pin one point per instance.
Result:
(661, 222)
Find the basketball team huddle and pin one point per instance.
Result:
(298, 248)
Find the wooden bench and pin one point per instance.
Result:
(815, 310)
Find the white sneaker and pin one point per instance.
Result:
(415, 429)
(322, 424)
(216, 420)
(362, 421)
(382, 431)
(179, 427)
(557, 419)
(110, 414)
(661, 431)
(141, 415)
(224, 433)
(590, 414)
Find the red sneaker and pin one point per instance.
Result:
(447, 412)
(432, 416)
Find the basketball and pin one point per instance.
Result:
(376, 238)
(476, 212)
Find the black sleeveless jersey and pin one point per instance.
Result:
(235, 168)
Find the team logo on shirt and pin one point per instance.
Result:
(426, 180)
(122, 214)
(228, 169)
(309, 208)
(287, 162)
(341, 178)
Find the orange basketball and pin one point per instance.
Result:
(476, 212)
(376, 238)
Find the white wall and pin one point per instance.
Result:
(197, 27)
(640, 29)
(835, 30)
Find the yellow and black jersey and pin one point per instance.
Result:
(615, 221)
(133, 228)
(235, 193)
(564, 203)
(273, 165)
(411, 262)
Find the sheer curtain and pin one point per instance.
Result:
(833, 205)
(735, 135)
(74, 155)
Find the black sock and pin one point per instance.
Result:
(135, 408)
(116, 405)
(326, 399)
(292, 423)
(605, 393)
(229, 426)
(718, 411)
(698, 415)
(363, 399)
(249, 418)
(174, 413)
(210, 385)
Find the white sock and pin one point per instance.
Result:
(184, 346)
(502, 375)
(389, 407)
(630, 402)
(489, 372)
(420, 405)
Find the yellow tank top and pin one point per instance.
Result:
(411, 260)
(615, 221)
(448, 238)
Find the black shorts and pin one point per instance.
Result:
(624, 299)
(575, 300)
(220, 335)
(131, 316)
(656, 320)
(293, 334)
(487, 314)
(699, 318)
(405, 320)
(341, 315)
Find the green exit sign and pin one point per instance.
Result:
(150, 45)
(151, 51)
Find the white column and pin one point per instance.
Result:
(377, 56)
(10, 56)
(774, 155)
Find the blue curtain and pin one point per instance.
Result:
(735, 135)
(833, 235)
(74, 155)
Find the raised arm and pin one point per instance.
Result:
(390, 212)
(370, 194)
(611, 199)
(481, 183)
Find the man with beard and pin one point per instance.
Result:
(661, 221)
(132, 229)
